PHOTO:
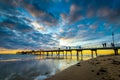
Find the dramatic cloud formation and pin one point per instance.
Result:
(47, 24)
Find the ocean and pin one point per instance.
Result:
(34, 67)
(30, 67)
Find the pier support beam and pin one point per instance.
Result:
(52, 53)
(40, 53)
(77, 55)
(96, 53)
(66, 54)
(59, 53)
(47, 54)
(116, 51)
(70, 54)
(92, 52)
(43, 54)
(63, 54)
(81, 55)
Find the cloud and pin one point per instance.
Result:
(75, 13)
(94, 26)
(17, 30)
(104, 12)
(90, 13)
(64, 16)
(36, 24)
(27, 40)
(41, 15)
(13, 24)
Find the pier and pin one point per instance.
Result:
(64, 53)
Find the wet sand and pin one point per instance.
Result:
(100, 68)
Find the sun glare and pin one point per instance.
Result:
(65, 42)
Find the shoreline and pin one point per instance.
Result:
(100, 68)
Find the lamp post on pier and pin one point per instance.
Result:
(113, 41)
(113, 37)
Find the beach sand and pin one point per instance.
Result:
(100, 68)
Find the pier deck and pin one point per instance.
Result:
(64, 52)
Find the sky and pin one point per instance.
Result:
(49, 24)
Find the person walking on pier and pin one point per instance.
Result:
(79, 47)
(66, 48)
(104, 45)
(69, 48)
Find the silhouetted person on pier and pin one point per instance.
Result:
(105, 44)
(69, 48)
(58, 48)
(79, 47)
(66, 48)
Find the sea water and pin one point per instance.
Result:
(34, 67)
(30, 67)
